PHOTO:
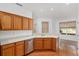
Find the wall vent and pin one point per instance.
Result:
(19, 4)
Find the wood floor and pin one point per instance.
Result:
(51, 53)
(43, 53)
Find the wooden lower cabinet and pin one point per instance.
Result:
(38, 43)
(53, 44)
(47, 43)
(19, 48)
(13, 49)
(8, 50)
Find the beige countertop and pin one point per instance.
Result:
(16, 39)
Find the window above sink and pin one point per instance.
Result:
(68, 28)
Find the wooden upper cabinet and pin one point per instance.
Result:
(17, 22)
(25, 24)
(14, 22)
(38, 43)
(8, 50)
(5, 21)
(30, 23)
(47, 43)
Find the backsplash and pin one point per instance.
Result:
(16, 33)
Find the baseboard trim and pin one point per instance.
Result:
(45, 50)
(28, 53)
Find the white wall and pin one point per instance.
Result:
(13, 8)
(38, 25)
(78, 21)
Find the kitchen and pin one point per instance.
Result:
(45, 30)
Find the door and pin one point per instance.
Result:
(25, 24)
(47, 43)
(38, 43)
(6, 21)
(17, 22)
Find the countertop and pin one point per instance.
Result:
(20, 38)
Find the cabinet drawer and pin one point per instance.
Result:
(7, 45)
(20, 42)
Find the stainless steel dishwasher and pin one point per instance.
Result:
(30, 45)
(68, 47)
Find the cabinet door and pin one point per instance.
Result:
(30, 24)
(47, 43)
(17, 22)
(6, 21)
(38, 43)
(8, 50)
(20, 48)
(25, 24)
(53, 44)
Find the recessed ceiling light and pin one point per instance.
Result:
(41, 10)
(67, 3)
(51, 9)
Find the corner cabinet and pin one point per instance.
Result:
(45, 44)
(38, 44)
(5, 21)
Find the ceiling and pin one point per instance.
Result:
(52, 10)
